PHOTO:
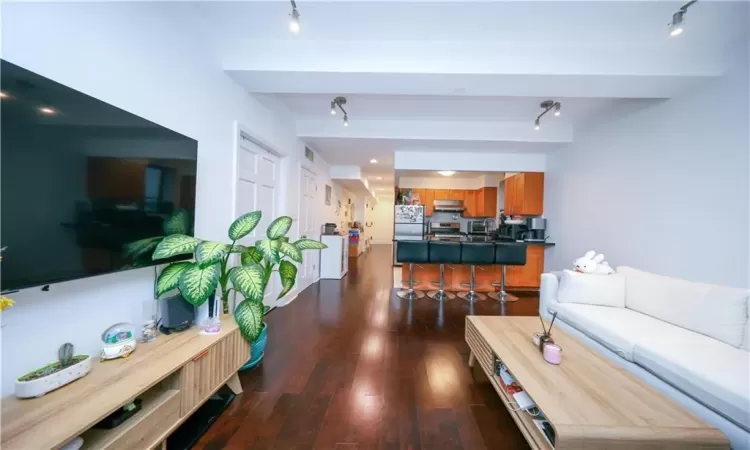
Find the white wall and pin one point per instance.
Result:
(471, 162)
(381, 230)
(149, 60)
(665, 189)
(478, 182)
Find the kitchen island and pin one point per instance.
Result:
(525, 277)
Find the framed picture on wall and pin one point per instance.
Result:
(328, 195)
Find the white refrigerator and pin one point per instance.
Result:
(408, 225)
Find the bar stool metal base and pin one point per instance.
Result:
(502, 296)
(441, 295)
(409, 294)
(472, 297)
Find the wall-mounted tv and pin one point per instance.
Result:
(86, 187)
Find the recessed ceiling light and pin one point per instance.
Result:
(446, 173)
(378, 178)
(373, 161)
(47, 111)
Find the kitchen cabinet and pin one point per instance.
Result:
(457, 194)
(441, 194)
(429, 198)
(418, 193)
(470, 203)
(487, 202)
(524, 194)
(528, 276)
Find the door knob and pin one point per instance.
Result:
(304, 236)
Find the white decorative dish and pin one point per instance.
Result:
(40, 386)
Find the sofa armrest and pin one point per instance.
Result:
(548, 293)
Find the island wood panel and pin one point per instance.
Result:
(47, 421)
(453, 275)
(590, 402)
(528, 276)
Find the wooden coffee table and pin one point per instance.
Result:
(590, 402)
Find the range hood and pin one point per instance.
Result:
(454, 206)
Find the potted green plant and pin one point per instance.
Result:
(212, 271)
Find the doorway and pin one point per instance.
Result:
(308, 228)
(258, 172)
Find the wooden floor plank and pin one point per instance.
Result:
(349, 365)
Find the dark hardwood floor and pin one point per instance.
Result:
(349, 365)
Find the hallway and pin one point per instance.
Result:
(349, 365)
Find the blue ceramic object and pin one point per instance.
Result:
(258, 349)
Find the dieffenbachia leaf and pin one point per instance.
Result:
(288, 275)
(249, 317)
(198, 283)
(177, 223)
(169, 278)
(309, 244)
(137, 248)
(279, 227)
(251, 256)
(176, 244)
(207, 252)
(248, 279)
(244, 225)
(287, 249)
(237, 248)
(269, 249)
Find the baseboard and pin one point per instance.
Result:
(382, 242)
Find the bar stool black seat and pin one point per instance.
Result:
(412, 252)
(443, 253)
(475, 253)
(507, 254)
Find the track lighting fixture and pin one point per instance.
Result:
(547, 106)
(339, 103)
(294, 19)
(677, 26)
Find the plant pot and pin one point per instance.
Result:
(257, 349)
(40, 386)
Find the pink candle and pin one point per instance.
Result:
(552, 353)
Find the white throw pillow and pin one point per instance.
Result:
(590, 289)
(716, 311)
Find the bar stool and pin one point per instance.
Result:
(475, 253)
(411, 252)
(443, 253)
(507, 254)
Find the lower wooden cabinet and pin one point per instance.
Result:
(528, 276)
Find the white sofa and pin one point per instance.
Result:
(690, 341)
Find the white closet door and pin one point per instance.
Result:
(308, 227)
(257, 189)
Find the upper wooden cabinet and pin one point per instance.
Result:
(428, 200)
(441, 194)
(487, 202)
(470, 203)
(524, 194)
(457, 194)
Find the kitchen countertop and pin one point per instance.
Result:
(463, 239)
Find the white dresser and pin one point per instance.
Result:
(334, 260)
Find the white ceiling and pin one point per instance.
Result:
(465, 75)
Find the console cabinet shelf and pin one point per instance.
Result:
(172, 376)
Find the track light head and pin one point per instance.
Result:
(294, 19)
(333, 108)
(346, 120)
(678, 22)
(557, 109)
(536, 124)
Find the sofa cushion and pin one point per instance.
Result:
(590, 289)
(618, 329)
(712, 372)
(716, 311)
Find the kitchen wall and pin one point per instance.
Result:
(382, 219)
(147, 59)
(408, 182)
(665, 189)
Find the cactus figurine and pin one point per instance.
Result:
(65, 354)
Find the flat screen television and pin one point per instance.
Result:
(86, 188)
